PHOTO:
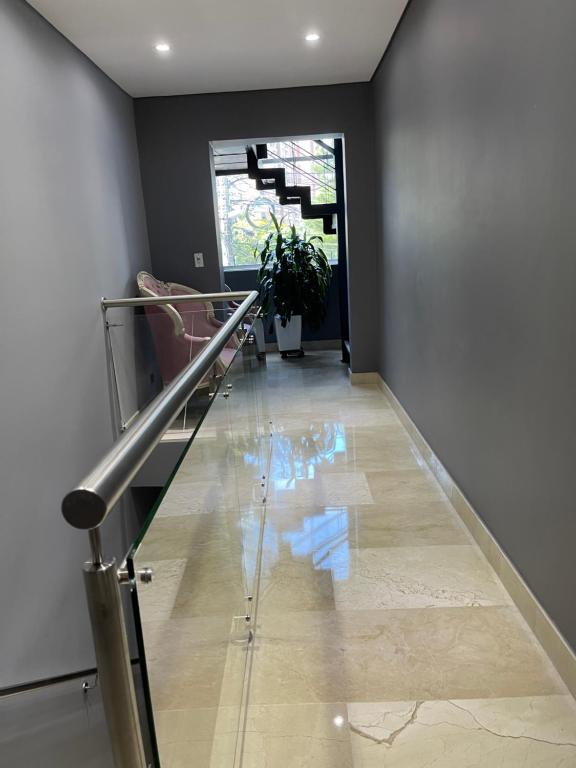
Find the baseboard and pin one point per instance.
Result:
(547, 633)
(364, 379)
(310, 346)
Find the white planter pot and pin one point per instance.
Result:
(290, 338)
(258, 330)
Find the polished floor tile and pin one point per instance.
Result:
(181, 725)
(156, 600)
(366, 459)
(414, 486)
(534, 732)
(419, 577)
(312, 529)
(200, 498)
(403, 524)
(184, 754)
(185, 737)
(210, 585)
(323, 490)
(292, 583)
(376, 655)
(186, 660)
(331, 446)
(219, 457)
(222, 533)
(382, 636)
(286, 736)
(349, 415)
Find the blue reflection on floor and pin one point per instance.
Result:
(296, 457)
(323, 538)
(250, 525)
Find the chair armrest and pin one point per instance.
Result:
(197, 339)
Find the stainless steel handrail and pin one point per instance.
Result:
(143, 301)
(88, 505)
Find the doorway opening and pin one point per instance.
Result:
(301, 181)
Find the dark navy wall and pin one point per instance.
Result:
(245, 280)
(174, 135)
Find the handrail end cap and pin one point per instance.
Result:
(84, 509)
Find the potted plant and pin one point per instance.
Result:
(293, 281)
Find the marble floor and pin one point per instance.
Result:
(318, 602)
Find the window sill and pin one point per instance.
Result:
(256, 267)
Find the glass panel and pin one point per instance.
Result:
(148, 349)
(203, 542)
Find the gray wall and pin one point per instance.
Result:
(71, 230)
(174, 135)
(60, 725)
(476, 119)
(56, 726)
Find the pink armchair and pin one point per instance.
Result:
(182, 329)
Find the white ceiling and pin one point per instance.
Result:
(227, 45)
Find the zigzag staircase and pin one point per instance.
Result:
(275, 178)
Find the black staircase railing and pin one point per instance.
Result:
(274, 177)
(290, 157)
(292, 162)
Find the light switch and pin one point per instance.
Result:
(199, 259)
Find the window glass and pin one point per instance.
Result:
(244, 211)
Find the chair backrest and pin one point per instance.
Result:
(198, 316)
(148, 285)
(193, 318)
(173, 324)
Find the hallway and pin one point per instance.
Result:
(382, 635)
(320, 593)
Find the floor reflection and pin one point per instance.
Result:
(297, 456)
(321, 537)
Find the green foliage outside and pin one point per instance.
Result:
(244, 214)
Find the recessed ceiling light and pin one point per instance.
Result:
(162, 47)
(312, 37)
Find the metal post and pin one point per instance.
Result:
(114, 394)
(95, 546)
(113, 662)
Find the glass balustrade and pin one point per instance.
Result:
(147, 349)
(268, 630)
(203, 541)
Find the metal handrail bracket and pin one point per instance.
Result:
(88, 505)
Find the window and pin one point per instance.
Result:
(244, 211)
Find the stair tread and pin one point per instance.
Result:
(275, 178)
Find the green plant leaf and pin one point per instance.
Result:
(294, 275)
